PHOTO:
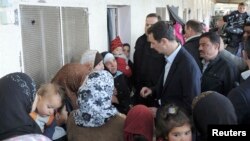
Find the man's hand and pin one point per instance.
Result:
(145, 91)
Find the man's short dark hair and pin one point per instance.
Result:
(154, 15)
(242, 4)
(162, 29)
(212, 36)
(127, 44)
(195, 25)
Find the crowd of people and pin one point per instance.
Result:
(176, 85)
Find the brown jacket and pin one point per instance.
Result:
(111, 131)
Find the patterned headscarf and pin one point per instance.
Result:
(94, 100)
(17, 93)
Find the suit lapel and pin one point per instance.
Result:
(173, 68)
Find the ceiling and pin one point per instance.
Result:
(229, 1)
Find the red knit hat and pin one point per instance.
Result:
(116, 43)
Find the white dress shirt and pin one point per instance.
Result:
(169, 59)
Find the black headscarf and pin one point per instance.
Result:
(17, 93)
(212, 108)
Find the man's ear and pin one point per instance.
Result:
(164, 40)
(217, 45)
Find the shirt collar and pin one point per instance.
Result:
(204, 62)
(193, 37)
(172, 56)
(211, 61)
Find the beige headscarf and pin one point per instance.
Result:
(92, 57)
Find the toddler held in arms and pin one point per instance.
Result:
(120, 57)
(49, 98)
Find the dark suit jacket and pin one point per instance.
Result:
(240, 97)
(182, 84)
(192, 46)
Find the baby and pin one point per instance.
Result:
(49, 98)
(120, 57)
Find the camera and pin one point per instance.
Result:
(235, 23)
(234, 28)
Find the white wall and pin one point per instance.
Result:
(10, 35)
(124, 24)
(9, 49)
(10, 42)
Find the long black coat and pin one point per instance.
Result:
(148, 66)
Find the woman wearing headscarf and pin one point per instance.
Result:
(71, 76)
(92, 58)
(121, 97)
(96, 119)
(209, 108)
(139, 124)
(17, 93)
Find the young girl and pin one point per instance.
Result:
(172, 124)
(49, 98)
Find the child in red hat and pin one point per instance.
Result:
(121, 59)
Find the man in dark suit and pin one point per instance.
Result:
(180, 82)
(193, 30)
(240, 96)
(218, 74)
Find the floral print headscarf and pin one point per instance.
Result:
(94, 100)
